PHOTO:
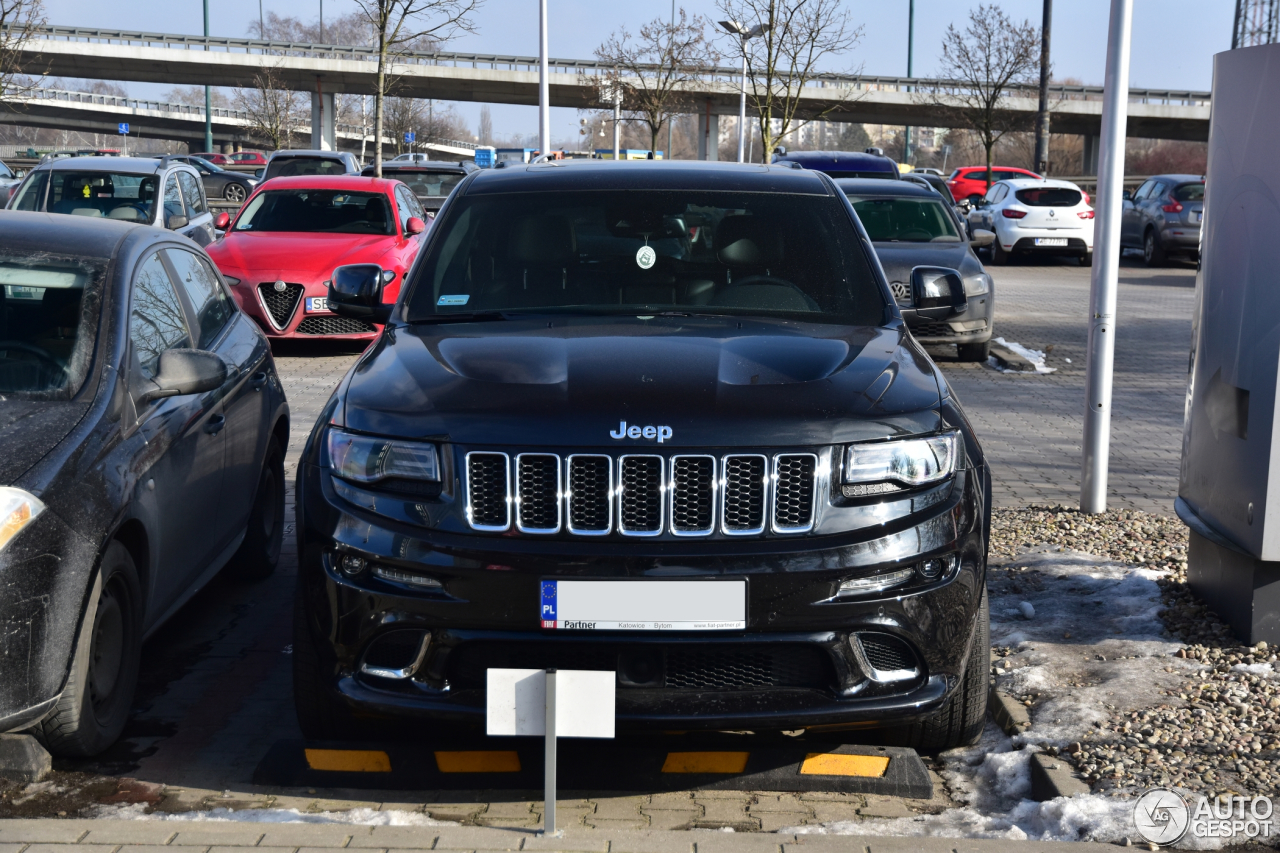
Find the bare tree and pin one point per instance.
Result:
(657, 71)
(193, 96)
(274, 113)
(484, 133)
(399, 25)
(800, 39)
(992, 55)
(19, 21)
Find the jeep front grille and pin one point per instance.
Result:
(643, 494)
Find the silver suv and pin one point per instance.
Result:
(162, 191)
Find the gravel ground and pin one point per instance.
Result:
(1218, 731)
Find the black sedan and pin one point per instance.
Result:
(911, 226)
(662, 420)
(431, 181)
(144, 429)
(234, 187)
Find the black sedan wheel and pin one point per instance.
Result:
(235, 193)
(264, 534)
(93, 709)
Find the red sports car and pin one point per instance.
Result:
(284, 244)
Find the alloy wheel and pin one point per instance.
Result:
(236, 193)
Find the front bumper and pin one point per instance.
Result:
(807, 673)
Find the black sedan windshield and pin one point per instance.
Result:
(618, 251)
(332, 211)
(48, 323)
(906, 220)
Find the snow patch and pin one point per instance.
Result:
(1035, 356)
(360, 816)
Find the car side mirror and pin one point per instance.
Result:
(186, 371)
(19, 173)
(1127, 196)
(173, 223)
(982, 237)
(355, 290)
(414, 226)
(938, 292)
(221, 221)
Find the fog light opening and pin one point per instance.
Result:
(938, 567)
(396, 655)
(352, 565)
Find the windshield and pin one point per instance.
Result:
(907, 220)
(114, 195)
(287, 167)
(49, 319)
(1189, 192)
(1049, 197)
(332, 211)
(623, 252)
(426, 184)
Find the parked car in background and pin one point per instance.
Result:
(144, 428)
(1163, 218)
(969, 183)
(430, 180)
(927, 170)
(933, 182)
(248, 158)
(8, 183)
(163, 192)
(286, 164)
(215, 158)
(280, 251)
(1036, 217)
(843, 164)
(220, 183)
(910, 226)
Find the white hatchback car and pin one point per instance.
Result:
(1031, 216)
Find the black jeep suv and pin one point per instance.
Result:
(662, 419)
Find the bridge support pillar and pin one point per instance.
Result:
(1089, 161)
(323, 128)
(708, 135)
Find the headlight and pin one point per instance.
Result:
(912, 461)
(366, 459)
(976, 285)
(17, 510)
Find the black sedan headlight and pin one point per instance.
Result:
(907, 462)
(369, 460)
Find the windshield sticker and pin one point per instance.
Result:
(646, 257)
(454, 299)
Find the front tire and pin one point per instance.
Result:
(1086, 260)
(1152, 252)
(999, 257)
(93, 709)
(264, 534)
(974, 352)
(235, 193)
(961, 720)
(320, 715)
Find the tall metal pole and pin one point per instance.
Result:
(208, 96)
(544, 92)
(742, 108)
(1042, 117)
(617, 124)
(671, 119)
(911, 38)
(322, 21)
(262, 22)
(549, 789)
(1106, 262)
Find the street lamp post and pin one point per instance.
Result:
(911, 38)
(746, 35)
(1042, 116)
(544, 91)
(208, 95)
(672, 36)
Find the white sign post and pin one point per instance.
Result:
(551, 703)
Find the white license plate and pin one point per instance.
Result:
(317, 303)
(1051, 241)
(644, 605)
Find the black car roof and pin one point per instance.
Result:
(880, 187)
(425, 166)
(57, 233)
(840, 161)
(1191, 179)
(574, 175)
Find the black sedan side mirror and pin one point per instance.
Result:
(186, 371)
(356, 291)
(938, 292)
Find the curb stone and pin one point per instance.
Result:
(1009, 714)
(1050, 777)
(1010, 360)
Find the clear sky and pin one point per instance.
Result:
(1173, 40)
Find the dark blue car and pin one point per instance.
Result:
(843, 164)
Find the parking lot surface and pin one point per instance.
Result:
(215, 691)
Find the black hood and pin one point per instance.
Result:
(714, 381)
(29, 429)
(897, 259)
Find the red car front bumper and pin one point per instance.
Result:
(282, 310)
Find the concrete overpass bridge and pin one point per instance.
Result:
(324, 69)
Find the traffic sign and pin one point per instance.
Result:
(410, 136)
(123, 127)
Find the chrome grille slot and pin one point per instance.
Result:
(488, 491)
(743, 495)
(640, 495)
(280, 304)
(693, 495)
(795, 481)
(590, 494)
(538, 493)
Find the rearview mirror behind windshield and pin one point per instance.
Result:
(355, 290)
(185, 371)
(938, 292)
